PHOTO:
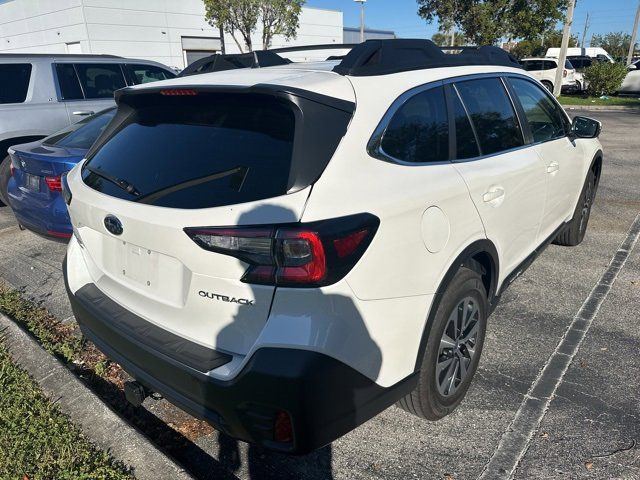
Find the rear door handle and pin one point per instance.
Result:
(494, 195)
(84, 113)
(553, 167)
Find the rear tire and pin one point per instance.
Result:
(5, 174)
(548, 85)
(574, 233)
(453, 349)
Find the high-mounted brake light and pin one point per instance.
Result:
(299, 255)
(54, 183)
(179, 92)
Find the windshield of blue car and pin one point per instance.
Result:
(83, 133)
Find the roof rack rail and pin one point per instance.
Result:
(218, 62)
(304, 48)
(382, 57)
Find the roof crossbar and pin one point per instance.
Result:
(382, 57)
(218, 63)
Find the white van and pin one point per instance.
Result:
(594, 52)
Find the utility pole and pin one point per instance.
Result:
(634, 34)
(584, 32)
(452, 42)
(562, 58)
(361, 2)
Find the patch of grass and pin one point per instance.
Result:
(39, 442)
(54, 336)
(582, 100)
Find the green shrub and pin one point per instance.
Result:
(604, 78)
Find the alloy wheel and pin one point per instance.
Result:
(586, 207)
(457, 346)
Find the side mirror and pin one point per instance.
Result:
(584, 127)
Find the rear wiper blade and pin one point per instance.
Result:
(239, 175)
(123, 184)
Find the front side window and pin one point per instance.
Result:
(147, 73)
(543, 115)
(100, 80)
(14, 81)
(492, 114)
(419, 130)
(532, 65)
(549, 65)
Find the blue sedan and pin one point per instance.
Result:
(35, 188)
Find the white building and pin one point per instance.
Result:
(173, 32)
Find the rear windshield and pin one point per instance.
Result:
(81, 134)
(14, 82)
(200, 153)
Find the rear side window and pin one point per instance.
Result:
(419, 130)
(491, 113)
(466, 144)
(532, 65)
(100, 80)
(198, 152)
(84, 136)
(147, 73)
(14, 82)
(68, 80)
(545, 118)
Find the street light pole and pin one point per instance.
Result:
(361, 2)
(633, 36)
(562, 58)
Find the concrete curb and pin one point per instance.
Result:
(621, 108)
(95, 419)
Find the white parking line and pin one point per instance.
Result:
(516, 439)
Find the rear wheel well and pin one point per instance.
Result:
(480, 256)
(484, 265)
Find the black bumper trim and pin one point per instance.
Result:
(147, 334)
(324, 397)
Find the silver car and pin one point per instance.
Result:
(631, 83)
(42, 93)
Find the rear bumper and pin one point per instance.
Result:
(324, 397)
(45, 215)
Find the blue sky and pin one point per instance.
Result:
(401, 16)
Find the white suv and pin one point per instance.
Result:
(544, 70)
(287, 251)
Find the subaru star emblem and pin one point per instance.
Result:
(113, 225)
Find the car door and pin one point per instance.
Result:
(505, 178)
(547, 127)
(87, 88)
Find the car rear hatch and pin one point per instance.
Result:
(185, 158)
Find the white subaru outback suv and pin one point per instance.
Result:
(287, 251)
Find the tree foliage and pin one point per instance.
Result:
(604, 78)
(443, 39)
(240, 19)
(485, 22)
(615, 43)
(538, 47)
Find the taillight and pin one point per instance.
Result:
(564, 73)
(54, 183)
(294, 255)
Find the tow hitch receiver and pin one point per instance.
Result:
(135, 393)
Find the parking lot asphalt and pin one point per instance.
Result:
(591, 425)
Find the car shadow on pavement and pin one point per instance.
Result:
(340, 327)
